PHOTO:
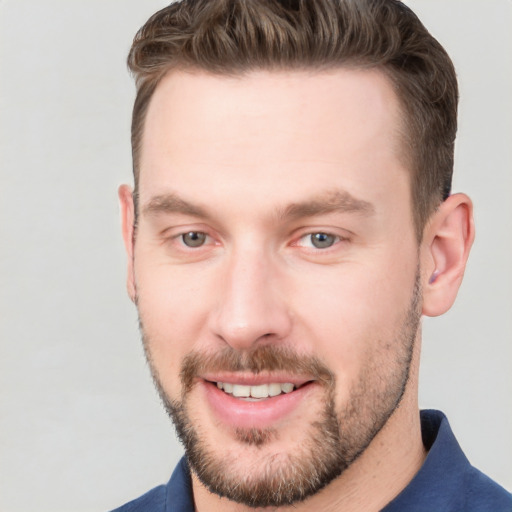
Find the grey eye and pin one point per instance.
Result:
(322, 240)
(193, 238)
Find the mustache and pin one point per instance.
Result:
(265, 358)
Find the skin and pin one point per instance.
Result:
(232, 158)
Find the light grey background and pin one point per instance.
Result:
(81, 428)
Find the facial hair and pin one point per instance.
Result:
(336, 438)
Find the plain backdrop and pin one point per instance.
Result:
(81, 427)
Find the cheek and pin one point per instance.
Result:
(172, 308)
(360, 310)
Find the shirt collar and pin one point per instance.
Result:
(436, 485)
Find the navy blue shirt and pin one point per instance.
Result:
(445, 483)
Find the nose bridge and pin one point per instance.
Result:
(251, 306)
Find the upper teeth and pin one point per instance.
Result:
(261, 391)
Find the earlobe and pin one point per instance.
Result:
(127, 223)
(446, 244)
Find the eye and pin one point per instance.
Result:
(194, 238)
(318, 240)
(322, 240)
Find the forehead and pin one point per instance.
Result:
(270, 131)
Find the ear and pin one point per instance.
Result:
(127, 222)
(447, 240)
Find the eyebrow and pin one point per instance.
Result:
(171, 203)
(328, 202)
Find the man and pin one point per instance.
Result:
(291, 221)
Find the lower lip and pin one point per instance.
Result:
(264, 413)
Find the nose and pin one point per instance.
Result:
(252, 307)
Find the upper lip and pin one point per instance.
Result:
(252, 379)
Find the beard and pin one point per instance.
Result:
(332, 442)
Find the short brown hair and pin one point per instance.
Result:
(237, 36)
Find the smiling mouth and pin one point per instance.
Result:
(259, 392)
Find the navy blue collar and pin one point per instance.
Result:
(435, 485)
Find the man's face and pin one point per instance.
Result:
(275, 250)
